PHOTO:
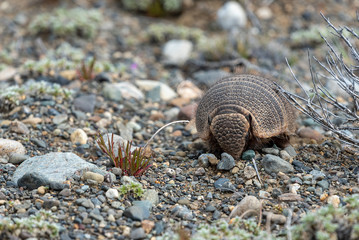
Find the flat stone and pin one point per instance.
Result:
(290, 149)
(125, 90)
(51, 169)
(60, 119)
(137, 233)
(165, 92)
(274, 164)
(151, 195)
(137, 213)
(272, 151)
(16, 158)
(182, 212)
(324, 184)
(85, 103)
(224, 185)
(19, 127)
(93, 176)
(290, 197)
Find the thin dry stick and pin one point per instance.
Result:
(164, 126)
(255, 167)
(288, 223)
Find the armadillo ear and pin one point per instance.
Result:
(231, 131)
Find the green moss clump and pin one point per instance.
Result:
(42, 225)
(160, 33)
(134, 188)
(308, 37)
(68, 22)
(214, 49)
(155, 8)
(65, 57)
(330, 223)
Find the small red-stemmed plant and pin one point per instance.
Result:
(133, 163)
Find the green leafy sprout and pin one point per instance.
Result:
(132, 187)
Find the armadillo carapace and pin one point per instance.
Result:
(244, 111)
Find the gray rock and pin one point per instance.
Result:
(144, 203)
(204, 159)
(113, 92)
(128, 91)
(85, 203)
(182, 212)
(16, 158)
(96, 214)
(137, 213)
(129, 180)
(227, 162)
(39, 142)
(231, 15)
(324, 184)
(49, 203)
(103, 77)
(159, 227)
(317, 175)
(154, 94)
(85, 103)
(248, 155)
(59, 119)
(151, 195)
(19, 127)
(52, 170)
(290, 149)
(205, 79)
(137, 233)
(200, 172)
(165, 92)
(274, 164)
(223, 184)
(272, 151)
(177, 51)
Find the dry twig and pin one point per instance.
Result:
(319, 103)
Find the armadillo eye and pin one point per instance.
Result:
(209, 120)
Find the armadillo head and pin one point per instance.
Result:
(231, 131)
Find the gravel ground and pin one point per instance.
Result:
(50, 160)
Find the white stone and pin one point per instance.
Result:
(166, 93)
(334, 200)
(127, 90)
(8, 147)
(79, 136)
(112, 193)
(231, 15)
(177, 51)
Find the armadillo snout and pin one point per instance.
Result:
(231, 133)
